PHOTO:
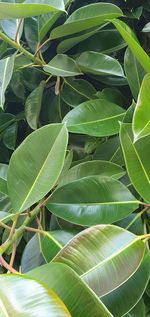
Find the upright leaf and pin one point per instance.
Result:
(101, 256)
(6, 70)
(134, 72)
(141, 118)
(97, 117)
(30, 175)
(136, 157)
(92, 200)
(33, 106)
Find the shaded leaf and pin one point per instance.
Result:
(63, 66)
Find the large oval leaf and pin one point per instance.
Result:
(97, 167)
(121, 301)
(97, 117)
(101, 256)
(63, 66)
(92, 200)
(141, 118)
(78, 298)
(20, 296)
(136, 157)
(99, 64)
(30, 175)
(87, 17)
(29, 9)
(6, 70)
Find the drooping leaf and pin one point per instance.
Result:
(23, 296)
(33, 106)
(63, 66)
(6, 70)
(121, 301)
(97, 117)
(136, 157)
(78, 298)
(96, 167)
(130, 38)
(30, 176)
(101, 254)
(141, 118)
(92, 200)
(87, 17)
(99, 64)
(29, 9)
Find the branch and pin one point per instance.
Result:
(20, 48)
(7, 266)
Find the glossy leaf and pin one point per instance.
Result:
(141, 118)
(121, 301)
(133, 44)
(35, 175)
(92, 200)
(102, 168)
(97, 117)
(23, 296)
(100, 255)
(71, 293)
(76, 91)
(99, 64)
(33, 106)
(138, 310)
(63, 66)
(10, 136)
(87, 17)
(6, 70)
(136, 157)
(104, 41)
(27, 9)
(134, 72)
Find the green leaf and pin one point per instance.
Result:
(3, 171)
(23, 296)
(3, 186)
(121, 301)
(92, 200)
(29, 9)
(30, 176)
(134, 72)
(87, 17)
(141, 118)
(104, 41)
(6, 70)
(109, 151)
(33, 105)
(101, 255)
(138, 310)
(97, 117)
(76, 91)
(78, 298)
(10, 136)
(136, 157)
(102, 168)
(133, 44)
(99, 64)
(63, 66)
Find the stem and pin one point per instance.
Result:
(20, 49)
(34, 230)
(137, 216)
(41, 46)
(145, 236)
(17, 234)
(7, 266)
(3, 225)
